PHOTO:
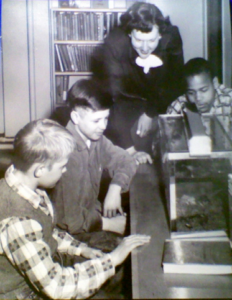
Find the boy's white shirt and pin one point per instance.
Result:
(88, 143)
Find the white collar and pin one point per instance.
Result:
(152, 61)
(88, 143)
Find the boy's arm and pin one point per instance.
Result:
(177, 105)
(31, 256)
(122, 168)
(112, 202)
(67, 244)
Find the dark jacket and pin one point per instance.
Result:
(114, 64)
(75, 195)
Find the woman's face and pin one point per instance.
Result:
(145, 43)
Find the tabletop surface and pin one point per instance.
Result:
(149, 216)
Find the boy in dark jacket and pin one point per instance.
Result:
(76, 195)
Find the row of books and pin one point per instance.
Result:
(86, 26)
(73, 58)
(96, 3)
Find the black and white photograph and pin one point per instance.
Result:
(115, 149)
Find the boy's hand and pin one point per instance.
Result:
(112, 203)
(88, 252)
(142, 158)
(126, 246)
(116, 224)
(144, 125)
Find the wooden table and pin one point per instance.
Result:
(148, 280)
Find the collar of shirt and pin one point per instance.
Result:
(81, 144)
(35, 198)
(217, 102)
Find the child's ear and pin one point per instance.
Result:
(215, 82)
(39, 171)
(75, 117)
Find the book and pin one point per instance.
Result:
(63, 3)
(65, 87)
(100, 30)
(60, 25)
(59, 89)
(59, 66)
(100, 4)
(197, 257)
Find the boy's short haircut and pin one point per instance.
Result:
(88, 94)
(41, 141)
(196, 66)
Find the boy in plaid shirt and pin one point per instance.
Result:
(28, 239)
(203, 90)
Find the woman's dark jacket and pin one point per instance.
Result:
(114, 64)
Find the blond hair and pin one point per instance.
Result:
(41, 141)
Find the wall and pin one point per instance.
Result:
(189, 16)
(26, 62)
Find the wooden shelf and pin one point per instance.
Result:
(83, 42)
(89, 9)
(73, 73)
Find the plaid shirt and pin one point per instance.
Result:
(32, 256)
(222, 106)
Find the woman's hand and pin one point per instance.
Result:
(144, 125)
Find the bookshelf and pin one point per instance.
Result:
(75, 33)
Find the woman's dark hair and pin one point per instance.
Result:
(143, 16)
(88, 93)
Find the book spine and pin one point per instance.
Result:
(63, 3)
(65, 87)
(58, 54)
(75, 26)
(55, 25)
(108, 16)
(59, 89)
(71, 62)
(60, 25)
(92, 28)
(65, 27)
(100, 26)
(100, 4)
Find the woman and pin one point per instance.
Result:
(141, 64)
